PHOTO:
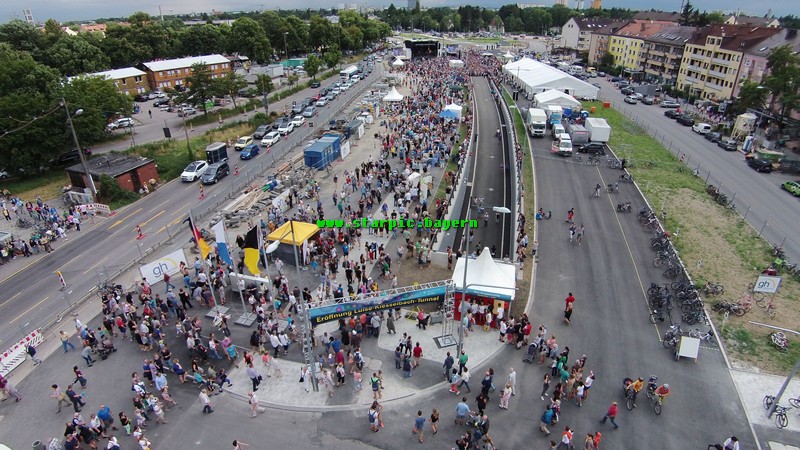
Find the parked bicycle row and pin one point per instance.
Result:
(672, 337)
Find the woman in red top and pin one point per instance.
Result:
(417, 354)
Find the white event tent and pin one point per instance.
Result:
(393, 96)
(554, 97)
(534, 77)
(455, 108)
(486, 277)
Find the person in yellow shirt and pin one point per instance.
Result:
(634, 388)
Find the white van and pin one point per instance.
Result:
(558, 130)
(701, 128)
(562, 145)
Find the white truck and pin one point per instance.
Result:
(599, 130)
(554, 113)
(537, 122)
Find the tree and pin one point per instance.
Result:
(783, 80)
(686, 14)
(292, 79)
(320, 33)
(312, 65)
(98, 98)
(606, 62)
(74, 55)
(201, 87)
(201, 40)
(22, 36)
(248, 38)
(332, 57)
(560, 15)
(751, 95)
(264, 85)
(230, 84)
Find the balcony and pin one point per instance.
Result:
(721, 62)
(718, 74)
(692, 80)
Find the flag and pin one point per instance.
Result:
(201, 243)
(251, 253)
(222, 244)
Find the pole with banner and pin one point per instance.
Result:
(61, 280)
(198, 238)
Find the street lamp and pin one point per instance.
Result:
(286, 47)
(78, 147)
(502, 210)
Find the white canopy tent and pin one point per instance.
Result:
(535, 77)
(398, 63)
(455, 108)
(393, 96)
(554, 97)
(508, 55)
(486, 277)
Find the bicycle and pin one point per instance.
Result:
(779, 341)
(614, 163)
(769, 306)
(781, 420)
(712, 288)
(592, 161)
(656, 399)
(707, 336)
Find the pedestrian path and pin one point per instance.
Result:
(286, 392)
(754, 386)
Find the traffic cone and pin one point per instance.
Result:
(236, 170)
(202, 193)
(139, 232)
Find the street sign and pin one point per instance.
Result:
(767, 285)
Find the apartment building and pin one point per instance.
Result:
(577, 32)
(599, 39)
(129, 80)
(754, 62)
(712, 57)
(628, 42)
(662, 53)
(171, 73)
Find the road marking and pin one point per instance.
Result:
(124, 219)
(182, 209)
(141, 224)
(152, 218)
(9, 300)
(97, 264)
(28, 310)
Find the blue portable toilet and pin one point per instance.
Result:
(567, 111)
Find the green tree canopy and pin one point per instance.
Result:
(248, 38)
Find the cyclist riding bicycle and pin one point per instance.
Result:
(633, 389)
(662, 392)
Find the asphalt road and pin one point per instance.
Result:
(31, 296)
(757, 194)
(608, 274)
(487, 175)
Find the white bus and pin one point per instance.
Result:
(347, 72)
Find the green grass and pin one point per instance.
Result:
(47, 185)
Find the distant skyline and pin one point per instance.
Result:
(87, 10)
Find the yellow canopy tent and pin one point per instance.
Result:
(302, 232)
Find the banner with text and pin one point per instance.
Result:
(170, 264)
(338, 311)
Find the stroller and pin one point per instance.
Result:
(533, 349)
(106, 348)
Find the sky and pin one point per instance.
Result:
(86, 10)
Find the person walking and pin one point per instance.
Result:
(59, 396)
(462, 409)
(546, 420)
(579, 234)
(86, 354)
(8, 390)
(374, 412)
(611, 415)
(448, 366)
(568, 302)
(465, 376)
(79, 378)
(462, 361)
(545, 385)
(588, 442)
(254, 376)
(205, 401)
(419, 426)
(566, 439)
(434, 420)
(512, 380)
(254, 408)
(505, 396)
(75, 398)
(454, 382)
(31, 350)
(65, 343)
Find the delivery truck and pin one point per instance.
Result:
(599, 130)
(537, 122)
(554, 113)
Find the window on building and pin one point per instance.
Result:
(160, 74)
(137, 79)
(124, 81)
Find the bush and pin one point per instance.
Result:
(111, 193)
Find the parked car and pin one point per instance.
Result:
(669, 104)
(345, 87)
(260, 132)
(321, 102)
(298, 121)
(285, 127)
(713, 136)
(728, 144)
(701, 128)
(249, 152)
(297, 108)
(596, 148)
(309, 112)
(627, 90)
(648, 100)
(792, 187)
(187, 111)
(314, 84)
(615, 79)
(631, 99)
(672, 113)
(141, 98)
(160, 102)
(271, 138)
(243, 142)
(760, 165)
(194, 171)
(685, 120)
(123, 122)
(246, 92)
(215, 172)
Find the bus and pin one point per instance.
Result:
(347, 72)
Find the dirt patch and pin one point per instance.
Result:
(717, 246)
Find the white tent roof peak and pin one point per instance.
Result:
(393, 96)
(454, 107)
(508, 55)
(556, 97)
(398, 62)
(486, 277)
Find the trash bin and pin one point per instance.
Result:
(37, 445)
